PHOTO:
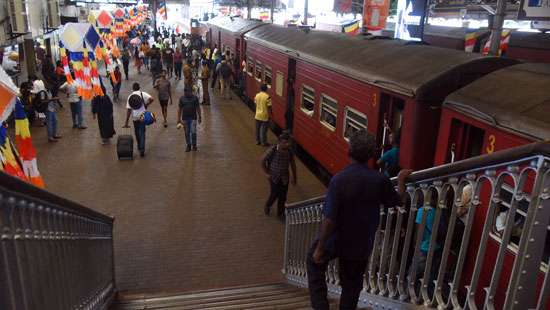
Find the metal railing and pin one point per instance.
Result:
(54, 254)
(494, 256)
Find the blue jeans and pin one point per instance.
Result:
(261, 131)
(51, 124)
(139, 129)
(190, 127)
(76, 112)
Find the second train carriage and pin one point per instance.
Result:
(227, 33)
(486, 116)
(326, 85)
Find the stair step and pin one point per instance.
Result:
(271, 296)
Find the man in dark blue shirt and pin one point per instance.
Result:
(351, 215)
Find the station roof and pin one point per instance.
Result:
(516, 98)
(410, 69)
(236, 25)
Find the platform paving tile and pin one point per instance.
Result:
(184, 221)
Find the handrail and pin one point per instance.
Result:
(454, 271)
(54, 253)
(15, 185)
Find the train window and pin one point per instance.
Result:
(329, 112)
(353, 122)
(467, 140)
(279, 84)
(258, 73)
(308, 100)
(268, 76)
(250, 66)
(506, 193)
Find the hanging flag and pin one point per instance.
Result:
(27, 152)
(470, 40)
(162, 11)
(351, 28)
(8, 156)
(504, 40)
(86, 70)
(94, 74)
(8, 91)
(65, 63)
(264, 15)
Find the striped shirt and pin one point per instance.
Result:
(278, 161)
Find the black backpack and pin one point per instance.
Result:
(136, 101)
(41, 101)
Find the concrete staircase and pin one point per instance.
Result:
(270, 296)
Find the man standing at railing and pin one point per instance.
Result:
(350, 218)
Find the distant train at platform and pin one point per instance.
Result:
(448, 105)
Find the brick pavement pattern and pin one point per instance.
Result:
(184, 221)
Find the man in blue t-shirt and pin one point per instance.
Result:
(351, 215)
(389, 162)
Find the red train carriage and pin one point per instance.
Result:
(227, 33)
(504, 109)
(326, 85)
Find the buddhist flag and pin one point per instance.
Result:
(8, 90)
(351, 28)
(8, 156)
(504, 40)
(27, 152)
(470, 40)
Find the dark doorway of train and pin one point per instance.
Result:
(291, 77)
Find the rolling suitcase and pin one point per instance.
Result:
(125, 147)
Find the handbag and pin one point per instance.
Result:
(148, 117)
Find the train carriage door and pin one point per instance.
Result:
(465, 141)
(291, 77)
(238, 48)
(220, 40)
(390, 116)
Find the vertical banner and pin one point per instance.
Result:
(375, 13)
(410, 16)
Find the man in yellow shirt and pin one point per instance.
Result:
(263, 112)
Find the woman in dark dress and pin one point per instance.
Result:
(102, 107)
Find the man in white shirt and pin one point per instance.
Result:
(136, 104)
(76, 104)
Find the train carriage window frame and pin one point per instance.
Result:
(326, 107)
(266, 69)
(259, 66)
(250, 69)
(355, 123)
(521, 213)
(310, 98)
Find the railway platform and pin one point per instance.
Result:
(183, 221)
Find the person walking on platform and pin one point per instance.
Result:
(263, 113)
(351, 214)
(178, 63)
(189, 113)
(76, 104)
(275, 163)
(137, 103)
(225, 75)
(188, 74)
(204, 75)
(102, 109)
(164, 89)
(126, 61)
(116, 83)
